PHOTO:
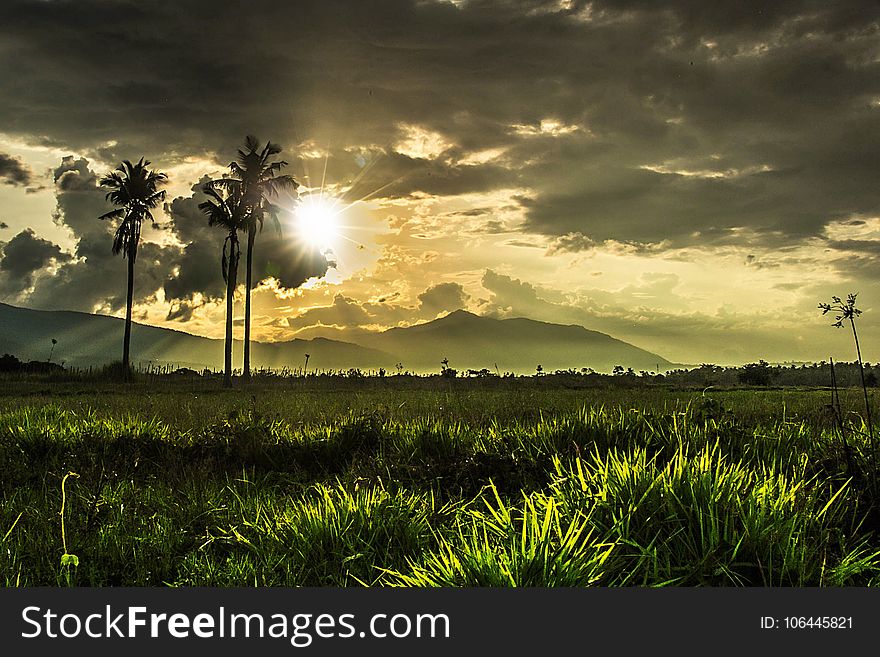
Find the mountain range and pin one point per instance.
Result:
(466, 340)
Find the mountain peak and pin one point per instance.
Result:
(459, 315)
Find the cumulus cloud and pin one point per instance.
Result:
(93, 278)
(347, 317)
(24, 256)
(512, 297)
(443, 297)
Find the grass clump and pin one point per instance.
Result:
(504, 545)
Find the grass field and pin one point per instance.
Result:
(451, 483)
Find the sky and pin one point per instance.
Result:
(691, 177)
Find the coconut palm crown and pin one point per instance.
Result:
(133, 187)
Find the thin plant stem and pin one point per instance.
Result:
(864, 387)
(873, 461)
(61, 513)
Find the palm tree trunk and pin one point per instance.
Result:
(246, 373)
(126, 340)
(231, 276)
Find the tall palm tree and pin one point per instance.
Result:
(255, 174)
(225, 211)
(133, 187)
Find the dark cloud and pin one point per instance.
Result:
(738, 19)
(511, 297)
(94, 278)
(181, 311)
(864, 247)
(353, 72)
(442, 297)
(344, 311)
(394, 175)
(522, 244)
(14, 172)
(750, 115)
(621, 124)
(74, 175)
(346, 316)
(287, 259)
(199, 263)
(24, 256)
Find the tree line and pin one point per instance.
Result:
(239, 202)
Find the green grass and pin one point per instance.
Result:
(458, 486)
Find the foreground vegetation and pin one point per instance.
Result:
(530, 486)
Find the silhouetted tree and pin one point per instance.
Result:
(447, 371)
(225, 210)
(255, 175)
(756, 374)
(133, 187)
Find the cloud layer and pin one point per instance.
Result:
(623, 120)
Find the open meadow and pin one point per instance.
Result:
(407, 481)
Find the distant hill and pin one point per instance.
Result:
(85, 339)
(467, 340)
(517, 345)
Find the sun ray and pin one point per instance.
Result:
(373, 193)
(324, 175)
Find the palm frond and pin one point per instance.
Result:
(154, 199)
(226, 183)
(113, 214)
(270, 170)
(120, 239)
(251, 143)
(273, 211)
(236, 169)
(112, 179)
(269, 150)
(273, 186)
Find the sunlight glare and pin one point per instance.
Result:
(316, 221)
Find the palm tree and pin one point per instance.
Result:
(225, 211)
(256, 177)
(133, 188)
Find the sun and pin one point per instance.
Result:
(316, 221)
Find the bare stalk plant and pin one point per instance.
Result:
(846, 312)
